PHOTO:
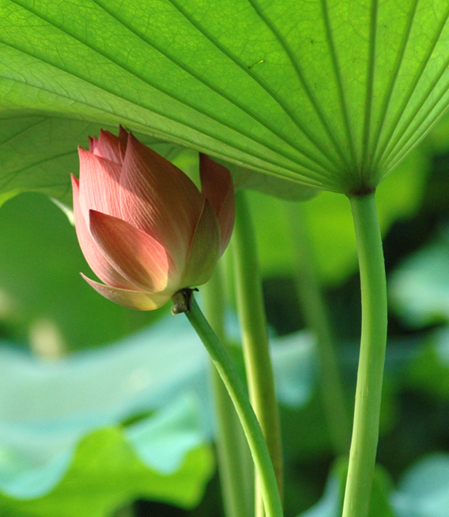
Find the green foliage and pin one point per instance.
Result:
(107, 470)
(423, 491)
(332, 95)
(332, 500)
(329, 222)
(294, 97)
(429, 371)
(420, 286)
(40, 284)
(83, 422)
(64, 418)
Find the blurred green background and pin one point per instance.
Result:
(105, 411)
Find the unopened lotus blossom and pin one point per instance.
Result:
(143, 226)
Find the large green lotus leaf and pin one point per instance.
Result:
(52, 410)
(329, 223)
(47, 407)
(329, 93)
(244, 178)
(163, 457)
(39, 152)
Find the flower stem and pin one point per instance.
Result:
(365, 432)
(255, 338)
(315, 313)
(251, 427)
(234, 460)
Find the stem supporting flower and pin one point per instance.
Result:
(234, 385)
(235, 465)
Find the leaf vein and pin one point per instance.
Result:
(251, 113)
(394, 77)
(390, 145)
(336, 66)
(294, 158)
(307, 180)
(24, 130)
(303, 81)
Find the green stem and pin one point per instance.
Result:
(235, 467)
(365, 432)
(251, 427)
(255, 338)
(315, 313)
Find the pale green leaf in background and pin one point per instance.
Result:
(419, 287)
(107, 471)
(58, 416)
(424, 488)
(47, 407)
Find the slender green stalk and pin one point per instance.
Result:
(235, 466)
(248, 419)
(315, 313)
(365, 432)
(256, 350)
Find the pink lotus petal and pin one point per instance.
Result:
(99, 184)
(132, 299)
(136, 255)
(108, 146)
(217, 186)
(94, 256)
(143, 226)
(204, 249)
(159, 199)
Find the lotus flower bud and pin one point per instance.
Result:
(143, 226)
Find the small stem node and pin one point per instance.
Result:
(182, 300)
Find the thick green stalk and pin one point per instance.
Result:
(248, 419)
(315, 313)
(365, 432)
(235, 466)
(256, 350)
